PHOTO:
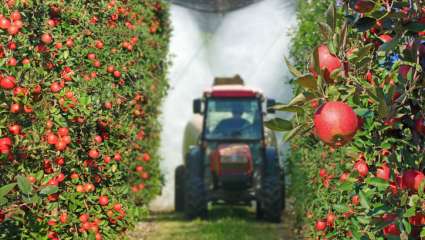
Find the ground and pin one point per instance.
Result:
(223, 223)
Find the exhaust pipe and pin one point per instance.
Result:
(214, 6)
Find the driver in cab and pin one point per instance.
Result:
(234, 123)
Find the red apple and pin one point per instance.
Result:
(335, 123)
(391, 229)
(385, 38)
(63, 217)
(383, 172)
(93, 153)
(103, 200)
(412, 179)
(362, 168)
(321, 225)
(420, 125)
(84, 218)
(328, 62)
(15, 129)
(8, 82)
(46, 38)
(362, 6)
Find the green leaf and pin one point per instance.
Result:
(316, 62)
(346, 186)
(364, 219)
(388, 46)
(341, 208)
(325, 30)
(363, 200)
(364, 51)
(407, 226)
(6, 189)
(29, 200)
(333, 44)
(49, 190)
(333, 92)
(278, 124)
(372, 95)
(66, 54)
(3, 201)
(423, 232)
(286, 108)
(293, 133)
(331, 16)
(320, 80)
(365, 23)
(343, 36)
(39, 175)
(415, 27)
(403, 199)
(386, 145)
(410, 74)
(24, 184)
(307, 81)
(335, 73)
(377, 182)
(413, 200)
(292, 69)
(379, 210)
(300, 99)
(364, 63)
(383, 108)
(371, 236)
(362, 112)
(410, 212)
(421, 189)
(356, 234)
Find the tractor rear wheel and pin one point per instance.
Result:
(179, 189)
(271, 205)
(259, 214)
(195, 201)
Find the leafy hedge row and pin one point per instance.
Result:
(304, 40)
(80, 88)
(372, 187)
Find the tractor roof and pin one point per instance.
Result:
(231, 87)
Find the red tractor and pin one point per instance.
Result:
(229, 156)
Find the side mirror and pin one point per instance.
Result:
(270, 103)
(197, 105)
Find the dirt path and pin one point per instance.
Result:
(224, 223)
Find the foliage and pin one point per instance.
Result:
(80, 87)
(307, 35)
(381, 78)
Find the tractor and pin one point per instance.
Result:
(229, 156)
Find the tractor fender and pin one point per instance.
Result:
(194, 162)
(270, 138)
(271, 166)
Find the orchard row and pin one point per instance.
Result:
(361, 114)
(80, 87)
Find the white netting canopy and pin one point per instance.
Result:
(214, 5)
